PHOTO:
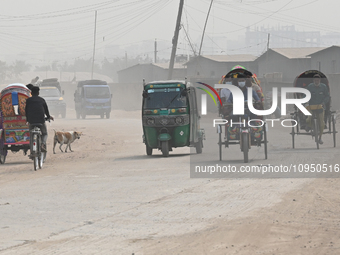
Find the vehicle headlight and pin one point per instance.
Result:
(179, 120)
(150, 121)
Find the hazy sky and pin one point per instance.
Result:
(32, 27)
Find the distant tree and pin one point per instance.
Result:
(19, 67)
(3, 71)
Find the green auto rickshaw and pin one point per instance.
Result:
(170, 117)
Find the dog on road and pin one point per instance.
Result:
(65, 138)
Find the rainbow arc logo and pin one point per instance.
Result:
(209, 93)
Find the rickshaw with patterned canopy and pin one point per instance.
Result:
(14, 132)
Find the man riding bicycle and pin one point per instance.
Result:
(36, 109)
(319, 98)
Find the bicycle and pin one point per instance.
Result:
(37, 155)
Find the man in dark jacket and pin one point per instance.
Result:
(36, 109)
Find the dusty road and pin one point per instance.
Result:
(108, 197)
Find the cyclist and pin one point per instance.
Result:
(319, 97)
(36, 109)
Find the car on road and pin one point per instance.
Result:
(54, 100)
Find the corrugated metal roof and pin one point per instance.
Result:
(231, 58)
(292, 53)
(166, 65)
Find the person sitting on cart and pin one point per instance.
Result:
(36, 109)
(319, 98)
(225, 95)
(241, 83)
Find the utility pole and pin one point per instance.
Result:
(175, 39)
(205, 25)
(94, 42)
(155, 50)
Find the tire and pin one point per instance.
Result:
(245, 146)
(36, 163)
(63, 115)
(199, 146)
(78, 114)
(108, 115)
(83, 115)
(265, 142)
(165, 148)
(102, 115)
(3, 154)
(148, 150)
(316, 132)
(334, 131)
(293, 134)
(220, 145)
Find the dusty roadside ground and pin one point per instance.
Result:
(108, 197)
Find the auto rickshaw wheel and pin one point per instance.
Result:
(199, 146)
(107, 115)
(165, 148)
(148, 150)
(102, 115)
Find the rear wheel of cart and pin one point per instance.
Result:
(265, 141)
(3, 154)
(220, 141)
(199, 146)
(316, 131)
(245, 146)
(334, 131)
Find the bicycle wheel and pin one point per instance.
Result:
(34, 152)
(316, 132)
(245, 146)
(42, 159)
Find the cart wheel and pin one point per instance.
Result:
(316, 132)
(334, 131)
(3, 154)
(165, 148)
(265, 141)
(245, 146)
(293, 137)
(83, 115)
(220, 144)
(148, 150)
(199, 146)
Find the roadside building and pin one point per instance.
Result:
(150, 72)
(285, 63)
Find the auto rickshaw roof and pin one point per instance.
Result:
(169, 83)
(306, 78)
